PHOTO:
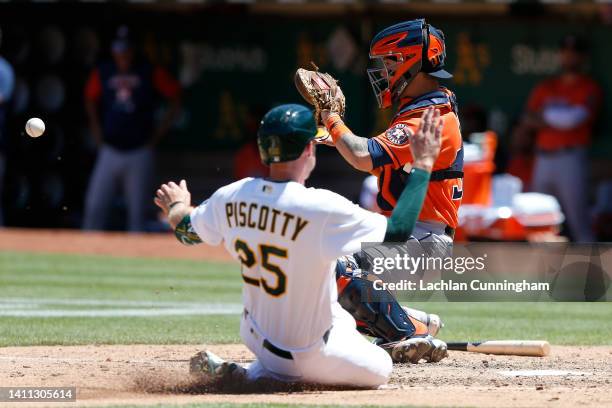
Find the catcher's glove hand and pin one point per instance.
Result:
(321, 91)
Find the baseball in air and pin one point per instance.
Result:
(35, 127)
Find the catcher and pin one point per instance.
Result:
(410, 58)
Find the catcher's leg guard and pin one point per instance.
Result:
(384, 317)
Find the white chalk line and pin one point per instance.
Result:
(24, 307)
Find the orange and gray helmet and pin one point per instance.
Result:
(400, 52)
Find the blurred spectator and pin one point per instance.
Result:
(7, 84)
(120, 102)
(560, 113)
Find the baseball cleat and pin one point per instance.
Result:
(437, 351)
(410, 350)
(419, 348)
(208, 364)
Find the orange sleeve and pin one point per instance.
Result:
(536, 99)
(93, 87)
(165, 84)
(395, 141)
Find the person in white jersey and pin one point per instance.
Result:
(287, 238)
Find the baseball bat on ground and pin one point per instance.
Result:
(533, 348)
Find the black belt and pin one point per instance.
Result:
(284, 353)
(450, 231)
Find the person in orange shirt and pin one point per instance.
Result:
(411, 57)
(560, 114)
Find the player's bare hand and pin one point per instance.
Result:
(171, 194)
(425, 142)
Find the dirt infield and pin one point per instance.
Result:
(107, 375)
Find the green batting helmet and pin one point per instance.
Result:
(284, 132)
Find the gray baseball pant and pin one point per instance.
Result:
(564, 174)
(132, 171)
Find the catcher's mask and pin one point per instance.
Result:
(400, 52)
(284, 132)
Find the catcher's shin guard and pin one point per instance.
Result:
(383, 317)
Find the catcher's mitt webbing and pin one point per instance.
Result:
(320, 90)
(406, 211)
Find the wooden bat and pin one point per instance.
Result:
(533, 348)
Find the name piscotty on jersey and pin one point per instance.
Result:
(287, 238)
(264, 218)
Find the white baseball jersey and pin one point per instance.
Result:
(287, 238)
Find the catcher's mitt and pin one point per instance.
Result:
(321, 91)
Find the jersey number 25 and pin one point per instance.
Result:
(248, 259)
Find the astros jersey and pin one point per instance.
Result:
(390, 152)
(287, 238)
(571, 107)
(127, 101)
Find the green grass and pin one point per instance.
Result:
(31, 278)
(98, 277)
(19, 331)
(559, 323)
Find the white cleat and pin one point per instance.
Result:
(410, 350)
(419, 348)
(206, 363)
(437, 352)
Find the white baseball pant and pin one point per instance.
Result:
(347, 358)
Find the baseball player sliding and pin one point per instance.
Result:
(409, 59)
(287, 238)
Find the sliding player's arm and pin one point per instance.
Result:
(406, 212)
(175, 201)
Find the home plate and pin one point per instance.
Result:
(542, 373)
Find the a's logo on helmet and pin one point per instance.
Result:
(398, 134)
